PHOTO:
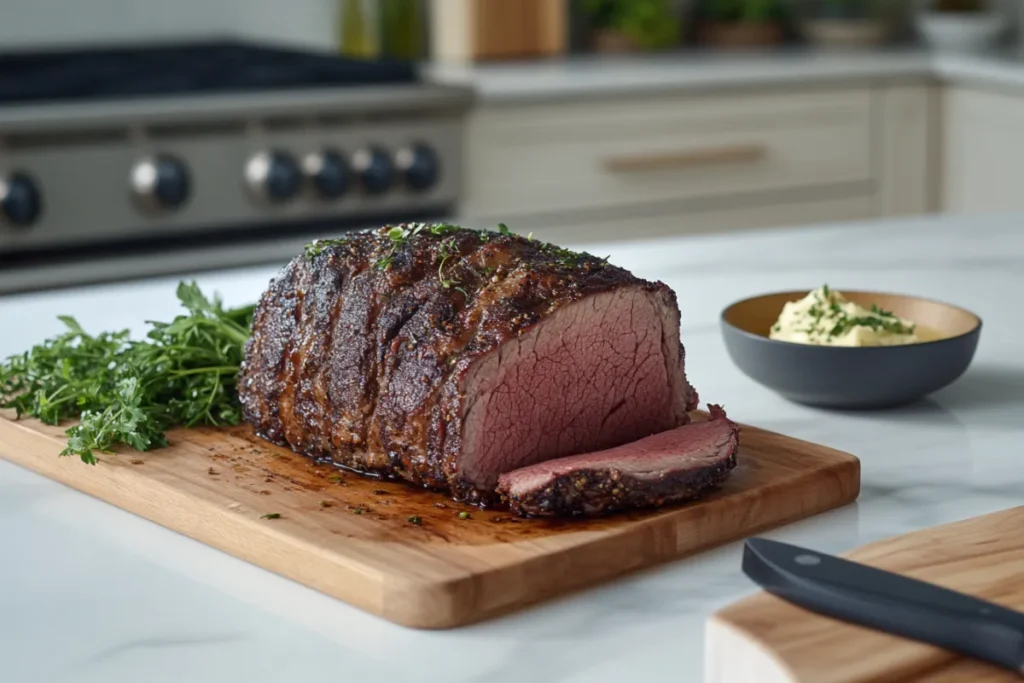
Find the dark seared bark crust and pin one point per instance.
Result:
(589, 492)
(360, 346)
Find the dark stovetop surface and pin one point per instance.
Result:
(184, 68)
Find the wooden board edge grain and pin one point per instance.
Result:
(663, 538)
(721, 642)
(360, 585)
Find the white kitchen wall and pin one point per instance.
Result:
(34, 23)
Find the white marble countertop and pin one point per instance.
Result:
(91, 594)
(597, 75)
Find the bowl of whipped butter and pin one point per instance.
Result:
(850, 349)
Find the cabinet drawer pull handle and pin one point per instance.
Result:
(709, 156)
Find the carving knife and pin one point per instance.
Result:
(887, 602)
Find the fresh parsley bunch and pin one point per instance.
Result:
(131, 392)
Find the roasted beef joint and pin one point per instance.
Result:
(448, 357)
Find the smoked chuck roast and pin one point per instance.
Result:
(447, 357)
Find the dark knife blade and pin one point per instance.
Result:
(887, 602)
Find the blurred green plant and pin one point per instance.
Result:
(743, 11)
(649, 24)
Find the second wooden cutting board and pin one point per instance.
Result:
(763, 639)
(412, 556)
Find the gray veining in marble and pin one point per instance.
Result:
(596, 76)
(90, 594)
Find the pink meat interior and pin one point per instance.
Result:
(597, 373)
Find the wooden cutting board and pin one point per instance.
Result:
(357, 539)
(763, 639)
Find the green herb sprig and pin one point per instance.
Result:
(130, 392)
(401, 234)
(446, 251)
(317, 247)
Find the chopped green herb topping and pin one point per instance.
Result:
(828, 316)
(401, 234)
(847, 323)
(566, 258)
(317, 247)
(415, 519)
(271, 515)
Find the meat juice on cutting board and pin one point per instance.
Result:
(495, 367)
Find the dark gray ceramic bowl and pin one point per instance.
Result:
(858, 377)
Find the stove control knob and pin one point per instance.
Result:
(161, 182)
(21, 203)
(374, 169)
(328, 172)
(273, 176)
(419, 166)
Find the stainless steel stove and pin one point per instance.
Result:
(136, 161)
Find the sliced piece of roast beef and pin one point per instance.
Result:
(673, 466)
(446, 356)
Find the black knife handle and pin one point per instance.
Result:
(888, 602)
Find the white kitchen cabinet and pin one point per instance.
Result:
(635, 167)
(983, 139)
(694, 221)
(909, 139)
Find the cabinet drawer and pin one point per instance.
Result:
(549, 158)
(614, 227)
